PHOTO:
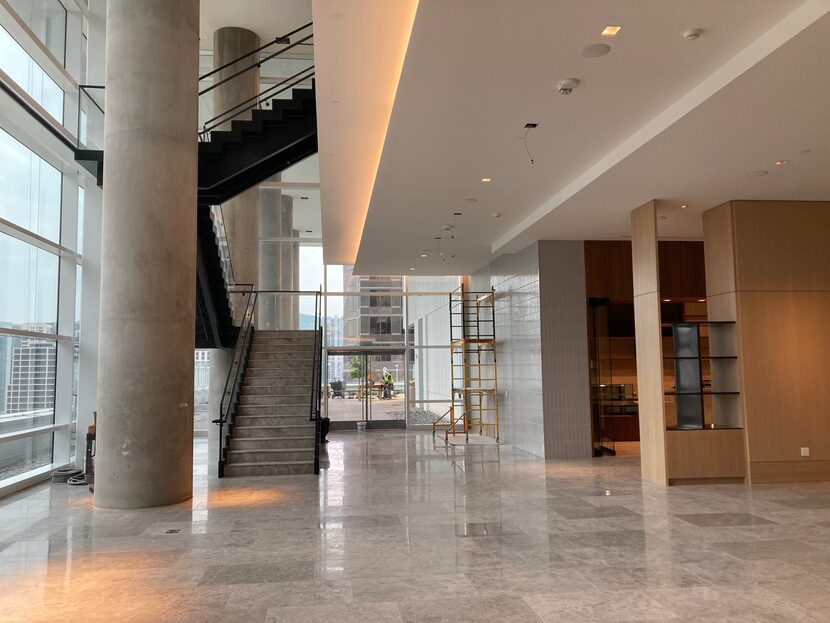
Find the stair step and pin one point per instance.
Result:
(258, 432)
(274, 410)
(272, 443)
(276, 387)
(267, 374)
(270, 455)
(277, 400)
(273, 468)
(272, 420)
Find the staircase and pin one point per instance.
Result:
(271, 433)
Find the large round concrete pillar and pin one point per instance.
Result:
(148, 255)
(277, 261)
(240, 213)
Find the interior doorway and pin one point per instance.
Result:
(614, 409)
(366, 385)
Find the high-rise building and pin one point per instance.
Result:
(31, 384)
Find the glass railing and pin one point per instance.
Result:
(91, 117)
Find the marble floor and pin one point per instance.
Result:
(399, 529)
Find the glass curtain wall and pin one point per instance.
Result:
(40, 279)
(402, 325)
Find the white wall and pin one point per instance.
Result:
(518, 345)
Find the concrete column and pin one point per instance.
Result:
(148, 255)
(240, 213)
(277, 262)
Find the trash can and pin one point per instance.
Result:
(361, 427)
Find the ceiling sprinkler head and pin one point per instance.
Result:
(693, 34)
(566, 86)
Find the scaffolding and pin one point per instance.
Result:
(474, 404)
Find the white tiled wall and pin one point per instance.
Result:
(542, 346)
(516, 280)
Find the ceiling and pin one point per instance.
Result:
(658, 117)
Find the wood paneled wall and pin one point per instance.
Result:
(608, 269)
(768, 264)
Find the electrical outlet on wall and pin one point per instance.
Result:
(805, 451)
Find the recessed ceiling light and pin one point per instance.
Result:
(701, 300)
(470, 200)
(424, 254)
(496, 215)
(486, 180)
(667, 300)
(595, 50)
(779, 163)
(683, 206)
(758, 173)
(611, 31)
(337, 16)
(411, 268)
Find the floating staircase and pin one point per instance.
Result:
(272, 433)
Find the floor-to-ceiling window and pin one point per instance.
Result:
(40, 277)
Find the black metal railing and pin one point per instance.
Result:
(257, 62)
(316, 378)
(236, 374)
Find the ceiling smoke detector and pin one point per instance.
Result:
(566, 86)
(693, 34)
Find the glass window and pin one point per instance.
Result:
(30, 76)
(23, 455)
(30, 189)
(79, 244)
(47, 19)
(28, 286)
(27, 369)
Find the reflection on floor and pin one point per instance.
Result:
(398, 529)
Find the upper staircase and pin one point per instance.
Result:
(279, 133)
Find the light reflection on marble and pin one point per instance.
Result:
(399, 529)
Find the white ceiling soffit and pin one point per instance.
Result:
(267, 18)
(359, 49)
(658, 117)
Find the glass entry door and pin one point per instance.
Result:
(366, 386)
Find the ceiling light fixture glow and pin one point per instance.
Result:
(780, 163)
(683, 206)
(611, 31)
(486, 180)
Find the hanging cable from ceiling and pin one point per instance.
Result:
(528, 128)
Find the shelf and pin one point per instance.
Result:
(701, 393)
(709, 428)
(706, 357)
(697, 322)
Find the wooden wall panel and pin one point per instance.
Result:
(649, 343)
(682, 269)
(719, 251)
(608, 269)
(782, 245)
(705, 454)
(785, 352)
(644, 249)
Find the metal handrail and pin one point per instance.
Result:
(253, 101)
(233, 384)
(316, 378)
(276, 40)
(254, 65)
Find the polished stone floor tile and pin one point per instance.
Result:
(398, 528)
(706, 520)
